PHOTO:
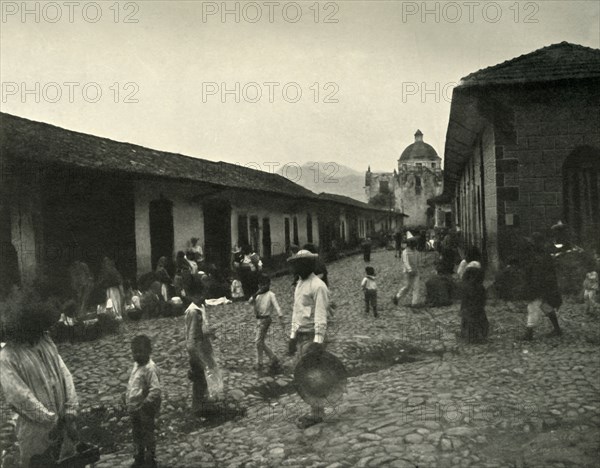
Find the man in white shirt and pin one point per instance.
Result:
(309, 317)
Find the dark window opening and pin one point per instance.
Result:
(254, 233)
(296, 238)
(309, 228)
(266, 238)
(287, 234)
(242, 230)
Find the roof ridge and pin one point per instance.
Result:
(528, 55)
(146, 148)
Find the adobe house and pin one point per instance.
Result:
(69, 196)
(523, 149)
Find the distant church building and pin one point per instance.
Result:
(418, 178)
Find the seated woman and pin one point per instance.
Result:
(133, 308)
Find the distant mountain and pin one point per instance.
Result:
(328, 177)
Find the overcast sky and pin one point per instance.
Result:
(374, 64)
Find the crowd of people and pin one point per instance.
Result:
(38, 385)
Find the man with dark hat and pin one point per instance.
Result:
(309, 317)
(543, 293)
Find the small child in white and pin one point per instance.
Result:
(265, 303)
(369, 287)
(237, 293)
(143, 402)
(590, 291)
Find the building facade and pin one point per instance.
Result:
(523, 150)
(417, 178)
(67, 196)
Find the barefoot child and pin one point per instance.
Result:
(590, 291)
(369, 287)
(265, 303)
(203, 366)
(143, 402)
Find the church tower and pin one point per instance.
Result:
(418, 178)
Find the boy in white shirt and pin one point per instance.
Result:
(265, 303)
(369, 287)
(143, 401)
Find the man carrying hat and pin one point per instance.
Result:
(309, 317)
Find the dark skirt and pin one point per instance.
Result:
(474, 330)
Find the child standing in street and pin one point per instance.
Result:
(143, 402)
(590, 291)
(265, 303)
(237, 293)
(369, 287)
(411, 269)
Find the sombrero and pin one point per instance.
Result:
(302, 254)
(320, 378)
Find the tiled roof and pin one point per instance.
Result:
(561, 61)
(47, 144)
(341, 199)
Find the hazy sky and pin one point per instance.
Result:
(377, 61)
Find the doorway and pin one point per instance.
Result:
(581, 196)
(217, 233)
(86, 216)
(266, 239)
(162, 234)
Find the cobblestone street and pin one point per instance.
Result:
(417, 397)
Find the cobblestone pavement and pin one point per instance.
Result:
(417, 396)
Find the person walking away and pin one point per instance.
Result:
(590, 291)
(366, 248)
(199, 348)
(410, 267)
(309, 318)
(35, 381)
(143, 400)
(369, 287)
(474, 324)
(542, 291)
(112, 281)
(398, 243)
(265, 304)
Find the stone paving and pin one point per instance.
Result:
(417, 396)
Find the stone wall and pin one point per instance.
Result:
(529, 159)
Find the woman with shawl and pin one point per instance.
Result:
(35, 381)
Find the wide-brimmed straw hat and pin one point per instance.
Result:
(303, 254)
(320, 378)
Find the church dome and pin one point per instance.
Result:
(419, 150)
